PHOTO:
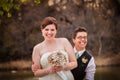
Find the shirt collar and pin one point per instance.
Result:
(79, 52)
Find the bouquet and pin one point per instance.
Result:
(58, 58)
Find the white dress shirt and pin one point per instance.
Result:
(91, 67)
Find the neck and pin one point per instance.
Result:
(49, 41)
(79, 49)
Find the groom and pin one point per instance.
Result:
(86, 65)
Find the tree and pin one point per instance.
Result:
(9, 7)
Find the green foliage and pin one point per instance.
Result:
(1, 12)
(17, 38)
(8, 6)
(37, 1)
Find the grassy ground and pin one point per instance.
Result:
(109, 60)
(16, 65)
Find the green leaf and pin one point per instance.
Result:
(9, 15)
(7, 7)
(17, 6)
(37, 1)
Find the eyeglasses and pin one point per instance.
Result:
(81, 37)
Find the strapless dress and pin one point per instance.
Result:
(56, 76)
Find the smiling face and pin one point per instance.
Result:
(49, 32)
(80, 41)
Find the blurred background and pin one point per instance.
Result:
(20, 32)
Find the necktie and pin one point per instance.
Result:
(77, 55)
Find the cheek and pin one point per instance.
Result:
(55, 32)
(43, 33)
(75, 41)
(86, 41)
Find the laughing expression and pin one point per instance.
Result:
(80, 40)
(49, 32)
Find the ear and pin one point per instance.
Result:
(73, 40)
(42, 32)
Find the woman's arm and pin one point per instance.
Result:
(71, 55)
(36, 67)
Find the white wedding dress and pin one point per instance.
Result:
(62, 75)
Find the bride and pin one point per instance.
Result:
(40, 64)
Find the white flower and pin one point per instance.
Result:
(57, 58)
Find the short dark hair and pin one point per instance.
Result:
(48, 20)
(78, 29)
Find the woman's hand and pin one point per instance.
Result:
(34, 67)
(58, 68)
(54, 69)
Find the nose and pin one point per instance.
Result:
(49, 31)
(82, 38)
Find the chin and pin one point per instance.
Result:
(82, 47)
(49, 39)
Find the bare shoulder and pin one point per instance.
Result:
(37, 51)
(63, 39)
(37, 45)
